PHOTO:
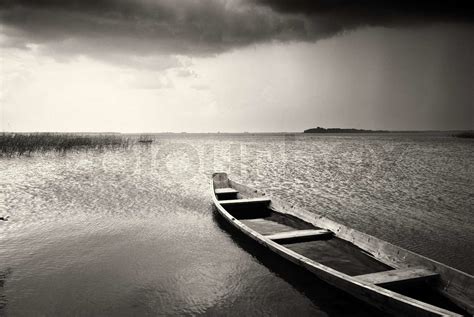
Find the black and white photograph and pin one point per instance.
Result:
(236, 158)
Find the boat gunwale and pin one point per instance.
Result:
(387, 298)
(405, 259)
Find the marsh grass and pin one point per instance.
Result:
(18, 144)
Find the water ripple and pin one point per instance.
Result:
(131, 231)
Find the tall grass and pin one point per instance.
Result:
(18, 144)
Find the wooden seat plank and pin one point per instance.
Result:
(295, 234)
(236, 202)
(227, 190)
(398, 276)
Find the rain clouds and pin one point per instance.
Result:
(376, 11)
(146, 27)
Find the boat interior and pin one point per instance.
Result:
(324, 247)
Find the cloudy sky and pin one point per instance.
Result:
(235, 65)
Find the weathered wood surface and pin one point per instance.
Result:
(398, 276)
(290, 235)
(226, 190)
(220, 180)
(236, 202)
(456, 285)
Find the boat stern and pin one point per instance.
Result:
(220, 180)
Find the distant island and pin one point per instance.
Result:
(339, 130)
(465, 135)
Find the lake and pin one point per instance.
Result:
(133, 232)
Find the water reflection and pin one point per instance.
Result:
(3, 299)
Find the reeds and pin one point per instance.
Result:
(18, 144)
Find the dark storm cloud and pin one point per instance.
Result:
(146, 27)
(329, 17)
(368, 11)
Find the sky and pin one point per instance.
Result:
(235, 65)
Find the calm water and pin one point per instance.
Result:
(132, 232)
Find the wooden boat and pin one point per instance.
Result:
(394, 280)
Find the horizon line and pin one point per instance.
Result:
(243, 132)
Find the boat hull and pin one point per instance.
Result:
(382, 298)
